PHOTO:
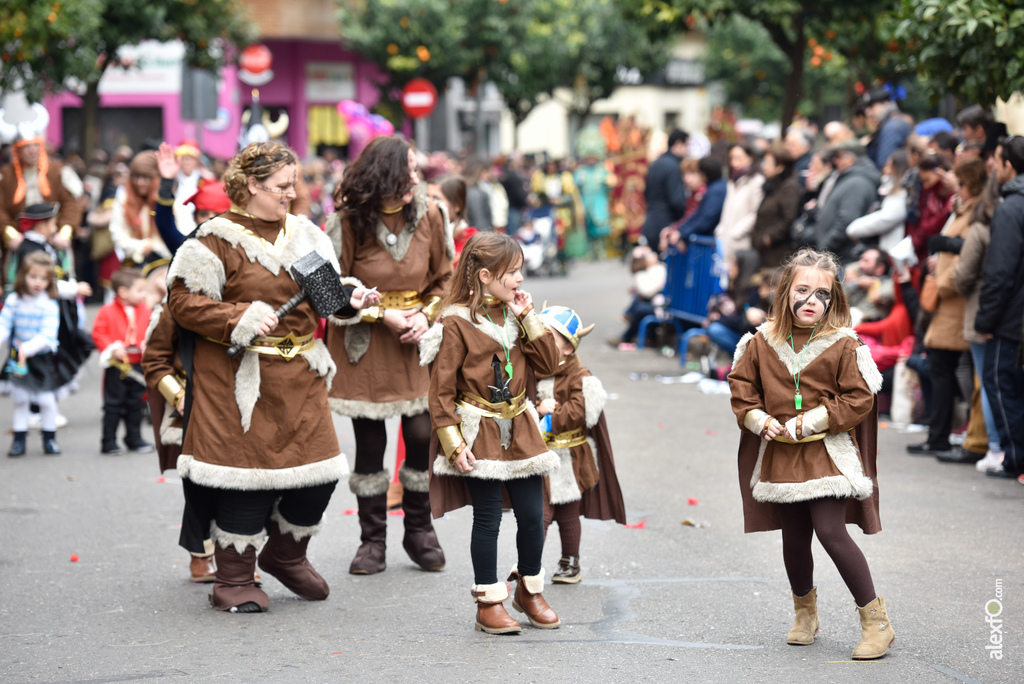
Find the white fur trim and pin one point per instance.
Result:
(449, 232)
(797, 362)
(490, 593)
(321, 363)
(298, 532)
(470, 425)
(373, 484)
(562, 480)
(545, 389)
(248, 325)
(594, 399)
(199, 268)
(430, 343)
(851, 483)
(755, 421)
(533, 583)
(414, 480)
(262, 479)
(169, 434)
(303, 237)
(868, 369)
(741, 348)
(239, 541)
(247, 387)
(332, 229)
(487, 469)
(511, 331)
(379, 410)
(154, 319)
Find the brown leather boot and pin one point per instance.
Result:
(233, 589)
(490, 610)
(876, 632)
(420, 540)
(528, 599)
(284, 557)
(202, 569)
(806, 623)
(373, 521)
(568, 570)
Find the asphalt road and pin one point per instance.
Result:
(660, 601)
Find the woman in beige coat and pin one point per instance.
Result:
(944, 339)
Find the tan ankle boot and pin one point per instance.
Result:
(491, 616)
(805, 624)
(529, 599)
(876, 632)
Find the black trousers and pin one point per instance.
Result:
(372, 440)
(945, 390)
(527, 497)
(247, 513)
(122, 400)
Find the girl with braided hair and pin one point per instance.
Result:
(388, 234)
(259, 448)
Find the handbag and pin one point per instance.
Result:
(929, 297)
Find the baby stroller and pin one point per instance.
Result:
(539, 241)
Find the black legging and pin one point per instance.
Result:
(372, 439)
(527, 497)
(825, 518)
(247, 512)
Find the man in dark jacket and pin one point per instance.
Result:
(890, 127)
(855, 190)
(1001, 306)
(664, 191)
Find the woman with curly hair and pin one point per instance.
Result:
(388, 234)
(259, 441)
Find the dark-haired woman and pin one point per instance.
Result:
(770, 237)
(388, 234)
(260, 449)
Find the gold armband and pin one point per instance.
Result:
(372, 314)
(432, 308)
(10, 233)
(452, 443)
(169, 388)
(532, 325)
(67, 232)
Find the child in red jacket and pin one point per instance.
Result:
(119, 332)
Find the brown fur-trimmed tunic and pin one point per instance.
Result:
(836, 372)
(257, 421)
(461, 352)
(160, 360)
(383, 376)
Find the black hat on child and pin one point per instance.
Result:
(40, 211)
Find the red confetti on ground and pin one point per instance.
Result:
(642, 525)
(74, 558)
(161, 479)
(335, 652)
(398, 513)
(692, 501)
(710, 433)
(349, 511)
(661, 425)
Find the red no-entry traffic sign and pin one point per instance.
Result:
(419, 97)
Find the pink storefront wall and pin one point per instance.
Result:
(286, 89)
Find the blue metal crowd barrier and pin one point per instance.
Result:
(693, 278)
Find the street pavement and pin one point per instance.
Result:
(660, 600)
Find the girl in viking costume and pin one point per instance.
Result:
(486, 428)
(388, 235)
(803, 391)
(259, 441)
(570, 404)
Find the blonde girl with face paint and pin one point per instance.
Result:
(803, 391)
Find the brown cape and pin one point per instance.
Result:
(762, 517)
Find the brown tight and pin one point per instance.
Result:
(825, 518)
(567, 516)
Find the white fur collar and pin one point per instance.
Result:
(301, 238)
(486, 327)
(398, 250)
(797, 361)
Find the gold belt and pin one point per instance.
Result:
(566, 440)
(287, 347)
(506, 409)
(400, 299)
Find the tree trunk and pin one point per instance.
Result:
(90, 115)
(795, 79)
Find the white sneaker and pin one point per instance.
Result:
(993, 460)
